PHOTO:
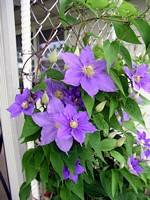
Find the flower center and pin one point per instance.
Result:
(143, 142)
(88, 70)
(137, 78)
(25, 105)
(57, 125)
(58, 94)
(73, 124)
(76, 100)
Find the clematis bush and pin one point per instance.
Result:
(84, 118)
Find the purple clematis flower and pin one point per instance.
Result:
(145, 155)
(37, 95)
(139, 76)
(134, 167)
(78, 170)
(48, 124)
(125, 118)
(56, 89)
(73, 125)
(22, 104)
(87, 72)
(136, 97)
(142, 140)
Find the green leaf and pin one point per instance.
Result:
(143, 28)
(126, 56)
(115, 182)
(33, 137)
(78, 188)
(29, 127)
(101, 123)
(134, 111)
(62, 8)
(30, 170)
(39, 86)
(57, 163)
(100, 4)
(118, 157)
(129, 143)
(94, 140)
(44, 172)
(26, 157)
(105, 177)
(24, 192)
(65, 193)
(127, 9)
(108, 144)
(129, 125)
(115, 124)
(125, 33)
(113, 106)
(54, 74)
(145, 101)
(111, 51)
(88, 102)
(38, 156)
(71, 19)
(116, 81)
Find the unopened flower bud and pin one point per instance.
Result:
(136, 96)
(53, 57)
(45, 98)
(100, 106)
(39, 72)
(120, 142)
(66, 67)
(113, 134)
(100, 43)
(77, 51)
(46, 198)
(121, 165)
(148, 3)
(130, 90)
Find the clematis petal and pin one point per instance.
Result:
(89, 84)
(87, 127)
(70, 111)
(48, 134)
(100, 65)
(145, 84)
(64, 144)
(128, 72)
(55, 106)
(78, 168)
(72, 61)
(15, 110)
(26, 94)
(74, 178)
(42, 119)
(87, 56)
(106, 83)
(73, 77)
(142, 70)
(78, 135)
(66, 173)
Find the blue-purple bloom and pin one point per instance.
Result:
(145, 155)
(134, 167)
(87, 72)
(139, 76)
(48, 124)
(78, 170)
(23, 104)
(73, 125)
(125, 118)
(142, 140)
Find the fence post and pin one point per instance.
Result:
(26, 52)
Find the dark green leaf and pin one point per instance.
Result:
(113, 106)
(115, 182)
(129, 143)
(129, 125)
(44, 171)
(54, 74)
(24, 192)
(88, 102)
(125, 33)
(78, 188)
(134, 111)
(143, 28)
(108, 144)
(26, 157)
(118, 157)
(63, 5)
(116, 81)
(30, 170)
(39, 86)
(105, 177)
(65, 193)
(126, 55)
(71, 19)
(33, 137)
(110, 51)
(115, 124)
(29, 127)
(101, 4)
(101, 123)
(57, 163)
(38, 157)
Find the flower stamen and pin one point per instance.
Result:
(88, 70)
(73, 124)
(137, 78)
(25, 105)
(58, 94)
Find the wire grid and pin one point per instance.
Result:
(44, 15)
